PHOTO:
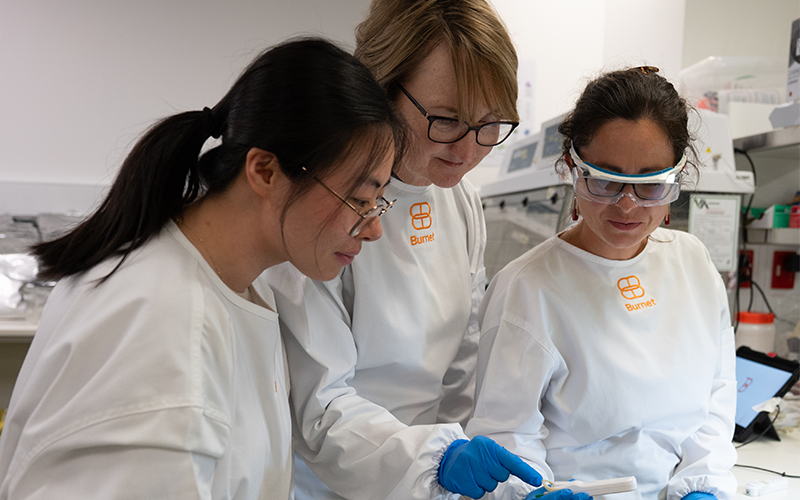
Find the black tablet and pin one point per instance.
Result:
(759, 377)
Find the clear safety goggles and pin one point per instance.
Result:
(599, 185)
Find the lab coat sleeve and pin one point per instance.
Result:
(458, 384)
(103, 461)
(708, 454)
(346, 440)
(96, 427)
(515, 368)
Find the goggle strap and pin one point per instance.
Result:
(667, 175)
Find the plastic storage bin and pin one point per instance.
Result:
(774, 216)
(717, 80)
(794, 216)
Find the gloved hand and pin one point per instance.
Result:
(566, 494)
(696, 495)
(474, 467)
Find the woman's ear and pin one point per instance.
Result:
(264, 172)
(568, 159)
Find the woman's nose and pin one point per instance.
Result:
(627, 199)
(467, 148)
(373, 231)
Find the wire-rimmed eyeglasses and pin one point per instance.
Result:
(449, 130)
(366, 218)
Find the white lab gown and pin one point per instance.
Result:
(159, 383)
(592, 369)
(389, 349)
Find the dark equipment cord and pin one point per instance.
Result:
(782, 474)
(743, 260)
(754, 284)
(744, 263)
(766, 428)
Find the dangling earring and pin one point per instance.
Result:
(575, 209)
(666, 219)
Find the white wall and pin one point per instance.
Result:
(738, 28)
(81, 80)
(571, 41)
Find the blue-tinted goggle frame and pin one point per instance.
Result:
(604, 186)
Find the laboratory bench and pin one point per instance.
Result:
(781, 456)
(15, 339)
(21, 295)
(16, 330)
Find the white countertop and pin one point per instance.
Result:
(780, 456)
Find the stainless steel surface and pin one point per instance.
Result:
(517, 222)
(788, 137)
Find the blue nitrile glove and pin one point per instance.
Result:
(565, 494)
(474, 467)
(696, 495)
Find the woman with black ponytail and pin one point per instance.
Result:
(157, 370)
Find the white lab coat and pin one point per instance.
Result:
(382, 354)
(592, 369)
(159, 383)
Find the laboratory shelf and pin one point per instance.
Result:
(774, 236)
(16, 330)
(781, 143)
(776, 159)
(775, 154)
(784, 236)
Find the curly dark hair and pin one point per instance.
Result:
(630, 94)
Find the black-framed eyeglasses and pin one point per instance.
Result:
(366, 218)
(449, 130)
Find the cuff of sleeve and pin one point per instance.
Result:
(699, 495)
(422, 479)
(709, 487)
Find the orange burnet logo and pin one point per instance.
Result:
(421, 216)
(631, 289)
(421, 220)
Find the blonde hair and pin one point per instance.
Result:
(397, 35)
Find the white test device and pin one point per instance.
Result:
(761, 488)
(601, 487)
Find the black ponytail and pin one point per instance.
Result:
(155, 181)
(306, 101)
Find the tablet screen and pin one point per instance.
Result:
(756, 383)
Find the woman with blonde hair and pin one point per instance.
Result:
(382, 359)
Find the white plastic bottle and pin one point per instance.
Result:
(757, 331)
